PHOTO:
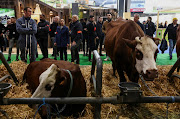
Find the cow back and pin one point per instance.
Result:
(117, 30)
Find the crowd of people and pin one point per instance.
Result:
(89, 34)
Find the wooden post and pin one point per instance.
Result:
(157, 24)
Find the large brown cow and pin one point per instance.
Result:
(178, 44)
(50, 78)
(131, 51)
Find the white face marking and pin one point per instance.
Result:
(148, 49)
(47, 77)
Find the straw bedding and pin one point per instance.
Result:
(161, 86)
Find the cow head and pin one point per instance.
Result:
(145, 52)
(48, 82)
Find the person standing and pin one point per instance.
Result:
(171, 30)
(13, 38)
(62, 39)
(91, 27)
(76, 38)
(165, 24)
(27, 28)
(104, 29)
(100, 35)
(136, 19)
(150, 27)
(42, 33)
(6, 33)
(52, 33)
(85, 37)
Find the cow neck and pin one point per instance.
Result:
(69, 92)
(71, 82)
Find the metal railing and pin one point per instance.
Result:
(176, 65)
(4, 61)
(97, 81)
(124, 98)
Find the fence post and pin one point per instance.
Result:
(97, 61)
(8, 68)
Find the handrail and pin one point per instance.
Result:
(4, 61)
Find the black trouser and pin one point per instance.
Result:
(62, 50)
(75, 52)
(43, 43)
(99, 41)
(85, 43)
(92, 46)
(1, 43)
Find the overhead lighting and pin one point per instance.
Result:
(37, 10)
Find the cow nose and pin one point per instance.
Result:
(151, 74)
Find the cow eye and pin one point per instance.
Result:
(48, 87)
(139, 55)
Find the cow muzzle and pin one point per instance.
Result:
(150, 75)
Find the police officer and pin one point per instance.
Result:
(42, 34)
(76, 38)
(52, 33)
(13, 38)
(91, 27)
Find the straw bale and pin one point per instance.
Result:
(161, 86)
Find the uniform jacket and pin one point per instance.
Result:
(150, 28)
(52, 30)
(26, 28)
(100, 34)
(76, 31)
(43, 32)
(12, 31)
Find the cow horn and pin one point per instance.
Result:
(58, 69)
(138, 40)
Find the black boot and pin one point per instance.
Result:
(9, 59)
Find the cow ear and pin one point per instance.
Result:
(129, 43)
(62, 80)
(156, 40)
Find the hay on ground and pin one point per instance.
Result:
(161, 86)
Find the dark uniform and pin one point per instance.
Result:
(52, 33)
(91, 27)
(2, 27)
(42, 36)
(85, 38)
(100, 35)
(76, 35)
(13, 38)
(150, 29)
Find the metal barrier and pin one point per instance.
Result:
(91, 100)
(176, 65)
(127, 95)
(97, 81)
(4, 61)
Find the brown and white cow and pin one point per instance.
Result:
(49, 78)
(178, 44)
(131, 51)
